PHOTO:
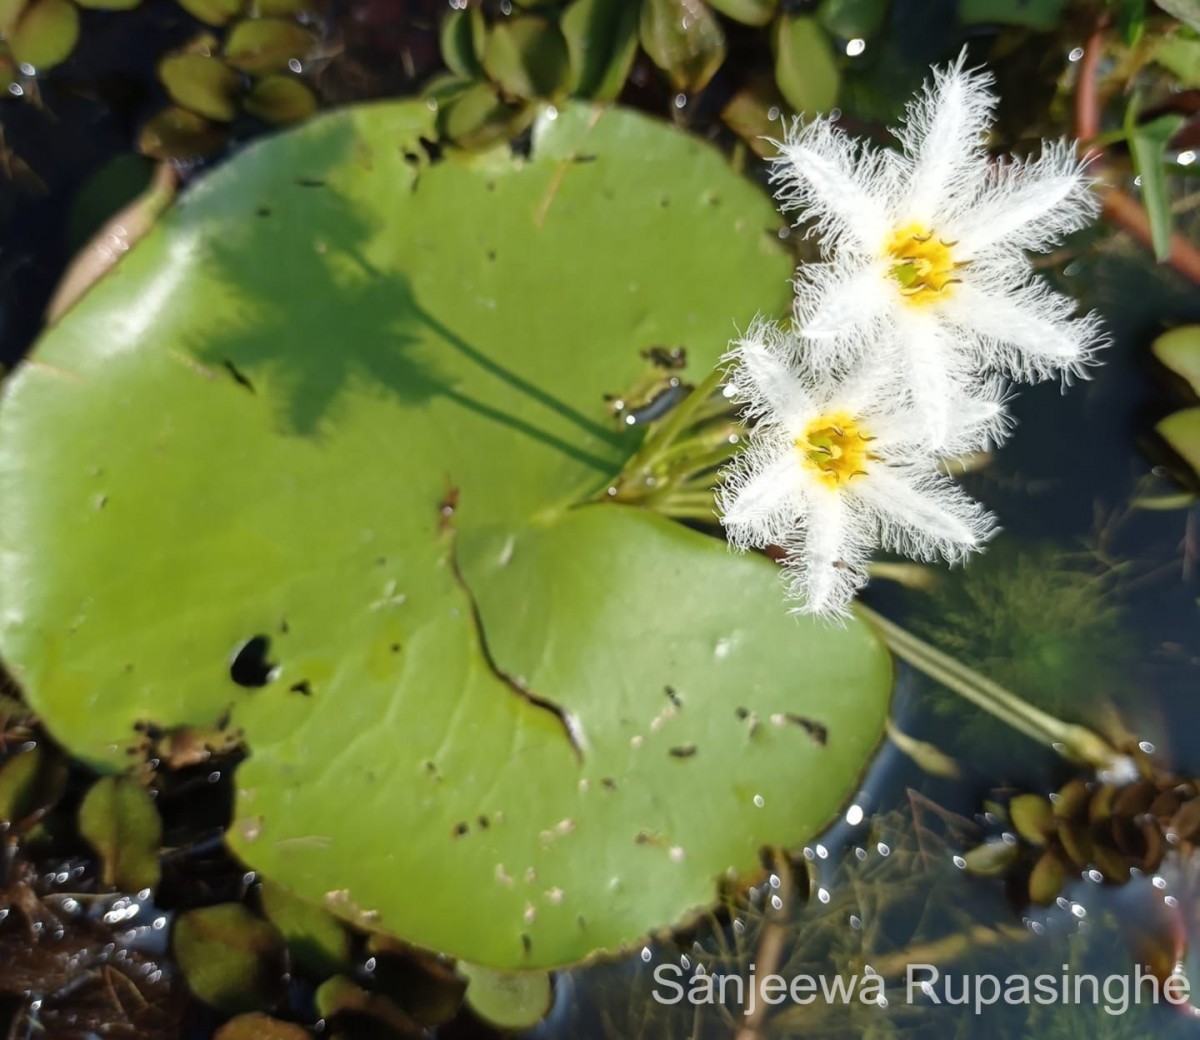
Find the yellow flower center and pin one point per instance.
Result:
(923, 264)
(836, 447)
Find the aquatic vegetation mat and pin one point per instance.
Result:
(321, 468)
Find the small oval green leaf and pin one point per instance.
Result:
(1179, 350)
(684, 39)
(263, 45)
(602, 39)
(1182, 432)
(180, 135)
(257, 1026)
(213, 12)
(748, 12)
(46, 34)
(853, 19)
(232, 960)
(119, 820)
(202, 83)
(527, 57)
(806, 70)
(462, 38)
(1032, 817)
(280, 99)
(109, 5)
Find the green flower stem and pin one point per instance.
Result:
(1074, 742)
(663, 434)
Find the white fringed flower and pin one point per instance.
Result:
(833, 469)
(925, 248)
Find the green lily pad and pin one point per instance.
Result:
(315, 463)
(1179, 350)
(45, 34)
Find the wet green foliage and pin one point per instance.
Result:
(454, 674)
(120, 822)
(1179, 351)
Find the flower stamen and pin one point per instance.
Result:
(836, 448)
(923, 264)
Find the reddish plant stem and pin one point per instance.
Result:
(1119, 208)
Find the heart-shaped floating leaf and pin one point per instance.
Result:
(316, 464)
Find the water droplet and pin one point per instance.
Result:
(758, 801)
(883, 849)
(823, 895)
(295, 66)
(1075, 54)
(646, 954)
(854, 815)
(822, 852)
(680, 100)
(959, 862)
(1157, 881)
(773, 113)
(1147, 747)
(855, 47)
(551, 113)
(1185, 158)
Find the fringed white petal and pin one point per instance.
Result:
(835, 302)
(826, 561)
(1027, 332)
(826, 178)
(934, 374)
(759, 373)
(762, 494)
(1028, 205)
(923, 514)
(943, 138)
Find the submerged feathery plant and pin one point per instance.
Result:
(900, 339)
